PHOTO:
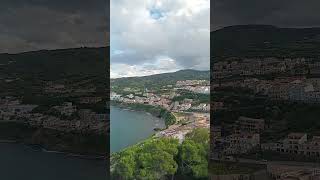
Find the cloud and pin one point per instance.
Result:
(284, 13)
(145, 30)
(160, 65)
(45, 24)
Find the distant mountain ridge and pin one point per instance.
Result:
(265, 40)
(161, 79)
(50, 64)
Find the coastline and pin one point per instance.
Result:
(129, 107)
(40, 148)
(166, 116)
(53, 141)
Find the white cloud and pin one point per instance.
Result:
(160, 65)
(144, 30)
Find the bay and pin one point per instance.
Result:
(130, 127)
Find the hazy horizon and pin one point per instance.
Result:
(160, 73)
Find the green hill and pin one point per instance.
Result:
(56, 64)
(159, 80)
(30, 70)
(264, 41)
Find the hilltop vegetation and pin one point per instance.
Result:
(159, 80)
(264, 41)
(30, 71)
(164, 158)
(56, 64)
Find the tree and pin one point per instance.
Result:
(152, 159)
(199, 135)
(126, 165)
(194, 153)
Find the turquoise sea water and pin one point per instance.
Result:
(129, 127)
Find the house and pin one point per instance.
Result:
(250, 124)
(241, 143)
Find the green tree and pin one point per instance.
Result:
(194, 153)
(126, 166)
(150, 160)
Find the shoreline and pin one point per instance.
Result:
(39, 148)
(146, 108)
(135, 110)
(127, 107)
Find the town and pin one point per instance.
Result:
(180, 99)
(56, 105)
(256, 120)
(11, 110)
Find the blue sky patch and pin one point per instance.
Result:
(156, 13)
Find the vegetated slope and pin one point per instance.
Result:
(264, 41)
(31, 69)
(161, 79)
(56, 64)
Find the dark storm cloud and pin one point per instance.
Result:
(283, 13)
(27, 25)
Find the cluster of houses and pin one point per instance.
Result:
(197, 89)
(195, 114)
(86, 120)
(55, 88)
(264, 66)
(178, 131)
(296, 144)
(164, 101)
(11, 107)
(60, 88)
(300, 89)
(244, 138)
(192, 83)
(285, 172)
(196, 86)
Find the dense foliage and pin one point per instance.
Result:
(158, 80)
(264, 41)
(197, 97)
(57, 64)
(168, 117)
(164, 158)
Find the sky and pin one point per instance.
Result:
(29, 25)
(281, 13)
(157, 36)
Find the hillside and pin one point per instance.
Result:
(31, 76)
(160, 79)
(264, 40)
(55, 64)
(25, 74)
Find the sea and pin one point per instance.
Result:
(21, 162)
